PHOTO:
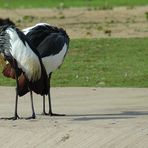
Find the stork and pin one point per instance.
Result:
(52, 44)
(24, 59)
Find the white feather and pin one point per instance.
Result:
(27, 60)
(26, 30)
(52, 62)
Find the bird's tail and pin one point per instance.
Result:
(41, 85)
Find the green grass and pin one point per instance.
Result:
(68, 3)
(105, 63)
(102, 63)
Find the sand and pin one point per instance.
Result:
(95, 118)
(119, 22)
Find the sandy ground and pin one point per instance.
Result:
(86, 22)
(95, 118)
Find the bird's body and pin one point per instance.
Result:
(25, 61)
(52, 44)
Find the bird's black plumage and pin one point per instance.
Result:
(54, 42)
(46, 36)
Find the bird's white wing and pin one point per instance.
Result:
(27, 60)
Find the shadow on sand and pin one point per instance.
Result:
(122, 115)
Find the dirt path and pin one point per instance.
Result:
(95, 118)
(87, 23)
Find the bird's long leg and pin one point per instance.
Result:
(17, 88)
(44, 106)
(44, 109)
(49, 98)
(49, 101)
(16, 99)
(32, 107)
(15, 117)
(50, 113)
(16, 106)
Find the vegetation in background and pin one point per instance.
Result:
(146, 14)
(103, 63)
(94, 62)
(103, 4)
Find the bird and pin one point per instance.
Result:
(52, 43)
(24, 64)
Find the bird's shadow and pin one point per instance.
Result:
(122, 115)
(89, 117)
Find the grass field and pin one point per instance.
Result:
(96, 62)
(103, 4)
(103, 62)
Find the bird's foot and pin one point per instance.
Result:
(32, 117)
(11, 118)
(44, 113)
(51, 114)
(54, 114)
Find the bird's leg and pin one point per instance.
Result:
(44, 104)
(50, 113)
(49, 101)
(15, 117)
(32, 106)
(50, 108)
(16, 104)
(16, 99)
(17, 88)
(44, 109)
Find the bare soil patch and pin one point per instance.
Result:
(86, 23)
(95, 118)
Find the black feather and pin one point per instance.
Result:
(51, 37)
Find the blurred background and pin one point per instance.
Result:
(109, 39)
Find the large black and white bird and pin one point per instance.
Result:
(25, 64)
(52, 44)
